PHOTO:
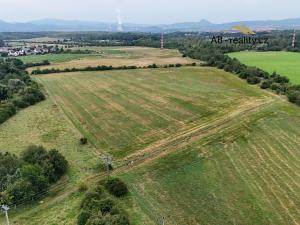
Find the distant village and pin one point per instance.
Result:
(32, 50)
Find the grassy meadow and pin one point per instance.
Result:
(55, 58)
(45, 124)
(110, 56)
(285, 63)
(122, 112)
(246, 173)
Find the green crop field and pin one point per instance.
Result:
(285, 63)
(195, 145)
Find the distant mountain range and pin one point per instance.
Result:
(203, 25)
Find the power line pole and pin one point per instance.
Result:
(294, 39)
(5, 208)
(107, 159)
(162, 41)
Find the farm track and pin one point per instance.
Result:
(166, 146)
(192, 134)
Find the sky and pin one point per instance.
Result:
(149, 11)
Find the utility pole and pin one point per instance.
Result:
(5, 208)
(107, 159)
(294, 39)
(162, 41)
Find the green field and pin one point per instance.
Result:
(110, 56)
(55, 58)
(285, 63)
(45, 124)
(195, 145)
(123, 111)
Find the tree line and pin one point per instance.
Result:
(217, 58)
(215, 55)
(105, 68)
(17, 89)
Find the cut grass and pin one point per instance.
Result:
(246, 174)
(207, 148)
(122, 111)
(55, 58)
(111, 56)
(285, 63)
(45, 124)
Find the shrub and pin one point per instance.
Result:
(83, 141)
(82, 187)
(30, 181)
(265, 85)
(6, 110)
(53, 164)
(293, 96)
(58, 165)
(274, 87)
(34, 154)
(83, 217)
(91, 197)
(116, 187)
(106, 205)
(253, 80)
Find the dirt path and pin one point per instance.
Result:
(160, 149)
(192, 134)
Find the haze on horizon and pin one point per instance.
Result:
(149, 11)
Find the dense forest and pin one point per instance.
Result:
(17, 89)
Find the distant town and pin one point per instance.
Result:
(32, 50)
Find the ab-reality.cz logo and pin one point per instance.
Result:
(248, 38)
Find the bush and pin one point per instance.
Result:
(53, 164)
(83, 217)
(82, 187)
(265, 85)
(59, 165)
(83, 141)
(6, 111)
(293, 96)
(116, 187)
(97, 209)
(31, 180)
(253, 80)
(91, 197)
(106, 205)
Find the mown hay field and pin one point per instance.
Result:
(111, 56)
(195, 145)
(124, 111)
